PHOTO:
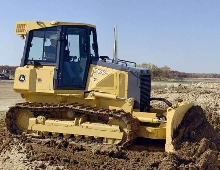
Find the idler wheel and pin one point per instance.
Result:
(22, 119)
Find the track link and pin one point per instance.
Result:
(132, 124)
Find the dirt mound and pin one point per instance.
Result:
(195, 126)
(196, 140)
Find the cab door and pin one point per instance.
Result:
(73, 64)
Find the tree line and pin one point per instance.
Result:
(165, 72)
(7, 69)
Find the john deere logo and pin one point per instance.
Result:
(22, 78)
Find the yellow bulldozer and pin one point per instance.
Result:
(72, 92)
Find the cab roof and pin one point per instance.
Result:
(22, 28)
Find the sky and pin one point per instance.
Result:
(183, 35)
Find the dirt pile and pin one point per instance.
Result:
(198, 143)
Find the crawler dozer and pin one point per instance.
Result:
(72, 92)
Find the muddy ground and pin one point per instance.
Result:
(197, 140)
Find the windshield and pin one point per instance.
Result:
(43, 46)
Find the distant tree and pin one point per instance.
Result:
(153, 68)
(7, 69)
(165, 72)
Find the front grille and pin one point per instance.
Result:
(145, 87)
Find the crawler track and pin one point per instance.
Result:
(41, 109)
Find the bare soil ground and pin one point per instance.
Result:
(197, 140)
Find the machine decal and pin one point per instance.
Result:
(95, 79)
(95, 76)
(99, 71)
(22, 78)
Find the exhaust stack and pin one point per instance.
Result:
(115, 52)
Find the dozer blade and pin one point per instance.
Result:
(175, 116)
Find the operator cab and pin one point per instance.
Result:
(69, 48)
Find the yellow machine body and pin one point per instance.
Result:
(106, 88)
(38, 87)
